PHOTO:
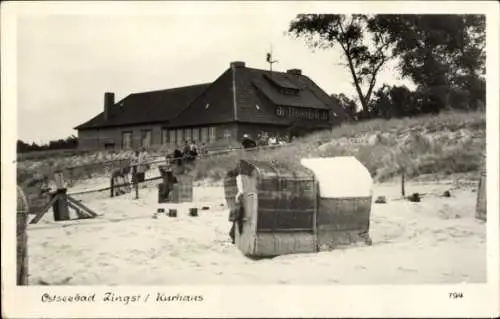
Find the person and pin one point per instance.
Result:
(187, 150)
(203, 149)
(235, 204)
(193, 151)
(263, 139)
(273, 140)
(140, 167)
(168, 182)
(119, 180)
(247, 142)
(178, 156)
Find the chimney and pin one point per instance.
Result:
(294, 71)
(237, 64)
(109, 101)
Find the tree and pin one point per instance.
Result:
(439, 53)
(347, 104)
(395, 101)
(68, 143)
(365, 48)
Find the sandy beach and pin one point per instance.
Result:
(413, 243)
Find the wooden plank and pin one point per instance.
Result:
(81, 206)
(78, 211)
(275, 244)
(40, 214)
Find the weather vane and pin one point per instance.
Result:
(269, 59)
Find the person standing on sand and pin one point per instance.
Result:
(234, 179)
(140, 167)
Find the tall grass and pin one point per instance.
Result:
(451, 142)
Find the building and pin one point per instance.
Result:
(240, 101)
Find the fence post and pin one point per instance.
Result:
(22, 237)
(136, 182)
(403, 182)
(60, 207)
(481, 210)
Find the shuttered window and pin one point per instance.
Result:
(212, 134)
(164, 136)
(180, 137)
(187, 134)
(172, 137)
(126, 140)
(204, 134)
(227, 135)
(146, 138)
(196, 135)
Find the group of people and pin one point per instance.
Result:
(185, 155)
(263, 140)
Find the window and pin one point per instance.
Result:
(324, 115)
(212, 134)
(187, 134)
(164, 136)
(227, 135)
(126, 140)
(196, 135)
(280, 111)
(179, 137)
(204, 134)
(172, 136)
(146, 138)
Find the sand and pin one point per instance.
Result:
(435, 241)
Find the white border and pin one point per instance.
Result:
(252, 301)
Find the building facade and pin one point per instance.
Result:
(240, 101)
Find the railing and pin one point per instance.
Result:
(90, 169)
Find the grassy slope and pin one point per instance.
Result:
(445, 144)
(449, 143)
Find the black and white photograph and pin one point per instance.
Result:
(253, 144)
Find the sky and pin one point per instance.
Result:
(66, 60)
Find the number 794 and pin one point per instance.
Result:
(455, 295)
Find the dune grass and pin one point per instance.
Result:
(449, 143)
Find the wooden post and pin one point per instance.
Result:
(112, 182)
(59, 179)
(481, 194)
(403, 183)
(136, 182)
(22, 238)
(60, 207)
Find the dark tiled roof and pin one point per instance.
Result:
(215, 105)
(257, 95)
(147, 107)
